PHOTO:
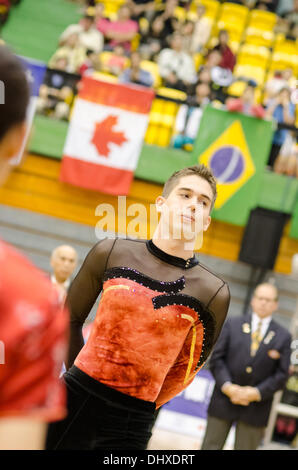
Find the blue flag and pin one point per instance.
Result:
(35, 73)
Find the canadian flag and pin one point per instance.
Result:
(105, 136)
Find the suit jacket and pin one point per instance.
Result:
(231, 362)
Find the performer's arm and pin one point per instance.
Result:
(83, 293)
(219, 306)
(175, 382)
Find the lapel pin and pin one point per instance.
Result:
(246, 328)
(269, 337)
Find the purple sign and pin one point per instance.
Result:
(194, 400)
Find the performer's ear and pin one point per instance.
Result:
(159, 202)
(207, 223)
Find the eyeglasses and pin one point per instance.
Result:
(265, 299)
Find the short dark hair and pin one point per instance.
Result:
(199, 170)
(267, 284)
(88, 17)
(16, 91)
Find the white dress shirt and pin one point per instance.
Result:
(178, 62)
(255, 322)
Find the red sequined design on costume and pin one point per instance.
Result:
(147, 338)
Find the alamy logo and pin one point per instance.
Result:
(2, 92)
(2, 353)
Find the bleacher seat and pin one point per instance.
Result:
(172, 93)
(261, 19)
(258, 37)
(282, 60)
(233, 18)
(254, 55)
(250, 72)
(260, 28)
(162, 117)
(111, 7)
(212, 7)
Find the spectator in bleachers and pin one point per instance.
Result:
(189, 117)
(142, 8)
(171, 24)
(292, 33)
(228, 59)
(246, 103)
(100, 20)
(89, 37)
(281, 79)
(91, 64)
(292, 15)
(282, 110)
(117, 62)
(57, 91)
(175, 66)
(135, 74)
(221, 78)
(154, 40)
(187, 30)
(202, 30)
(287, 161)
(204, 75)
(121, 31)
(5, 7)
(73, 51)
(266, 5)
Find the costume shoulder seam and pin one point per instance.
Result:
(132, 239)
(213, 274)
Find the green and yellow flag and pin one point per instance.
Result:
(236, 148)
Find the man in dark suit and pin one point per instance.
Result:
(250, 363)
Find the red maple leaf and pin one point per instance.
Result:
(104, 135)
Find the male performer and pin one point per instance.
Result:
(160, 314)
(32, 325)
(250, 363)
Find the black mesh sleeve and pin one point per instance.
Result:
(219, 305)
(83, 293)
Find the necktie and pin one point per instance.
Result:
(256, 338)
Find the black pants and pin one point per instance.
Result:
(274, 152)
(100, 418)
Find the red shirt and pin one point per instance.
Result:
(228, 59)
(122, 27)
(32, 341)
(237, 105)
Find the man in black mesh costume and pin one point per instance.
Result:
(160, 314)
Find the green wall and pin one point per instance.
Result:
(34, 26)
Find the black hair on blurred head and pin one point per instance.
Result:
(15, 87)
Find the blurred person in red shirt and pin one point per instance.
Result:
(228, 60)
(121, 31)
(32, 321)
(246, 103)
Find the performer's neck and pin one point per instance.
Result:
(179, 248)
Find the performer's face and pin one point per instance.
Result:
(186, 211)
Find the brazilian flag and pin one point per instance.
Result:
(236, 147)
